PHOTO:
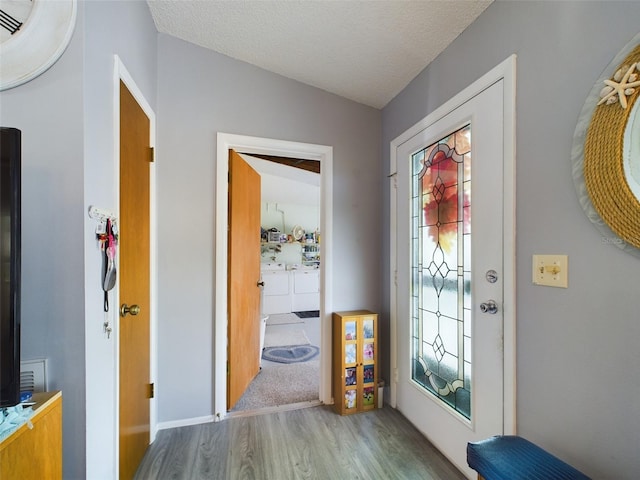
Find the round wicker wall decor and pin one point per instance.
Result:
(599, 150)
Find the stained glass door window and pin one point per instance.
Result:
(441, 269)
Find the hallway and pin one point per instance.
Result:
(312, 443)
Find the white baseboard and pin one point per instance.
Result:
(186, 422)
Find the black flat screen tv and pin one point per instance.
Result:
(10, 243)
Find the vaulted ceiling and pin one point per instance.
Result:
(363, 50)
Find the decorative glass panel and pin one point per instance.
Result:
(350, 377)
(350, 398)
(350, 330)
(367, 394)
(367, 351)
(368, 373)
(350, 353)
(441, 269)
(367, 327)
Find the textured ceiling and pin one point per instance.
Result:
(367, 51)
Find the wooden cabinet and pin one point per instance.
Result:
(355, 361)
(36, 453)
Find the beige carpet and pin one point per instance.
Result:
(277, 385)
(283, 319)
(285, 339)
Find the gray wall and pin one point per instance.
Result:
(66, 118)
(201, 93)
(125, 29)
(577, 349)
(49, 112)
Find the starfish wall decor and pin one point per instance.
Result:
(622, 85)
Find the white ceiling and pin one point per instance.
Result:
(363, 50)
(283, 184)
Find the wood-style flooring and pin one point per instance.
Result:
(311, 443)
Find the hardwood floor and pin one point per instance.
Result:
(312, 443)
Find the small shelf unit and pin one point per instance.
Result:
(355, 361)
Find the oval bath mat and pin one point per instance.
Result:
(292, 354)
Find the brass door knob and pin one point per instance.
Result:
(132, 310)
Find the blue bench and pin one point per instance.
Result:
(509, 457)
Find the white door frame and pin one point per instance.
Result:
(505, 71)
(282, 148)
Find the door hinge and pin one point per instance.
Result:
(152, 390)
(227, 369)
(152, 154)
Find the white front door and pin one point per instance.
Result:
(451, 288)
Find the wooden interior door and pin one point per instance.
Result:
(243, 292)
(134, 241)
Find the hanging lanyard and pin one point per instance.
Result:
(109, 244)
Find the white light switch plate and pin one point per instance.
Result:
(551, 270)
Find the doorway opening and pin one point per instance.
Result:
(286, 153)
(290, 259)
